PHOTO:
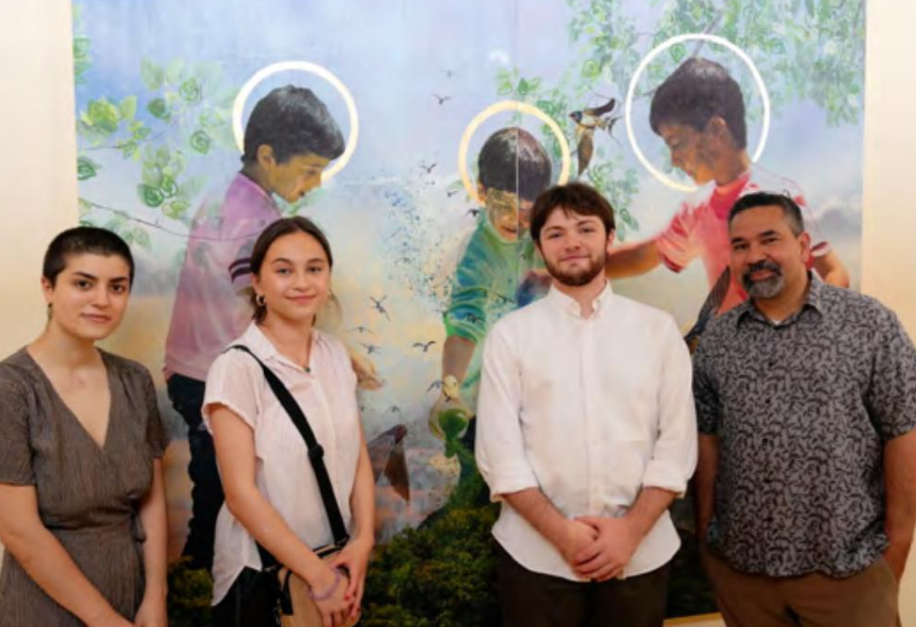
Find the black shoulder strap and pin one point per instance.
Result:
(316, 452)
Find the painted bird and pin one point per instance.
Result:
(386, 454)
(379, 307)
(587, 120)
(424, 346)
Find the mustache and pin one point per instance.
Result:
(763, 265)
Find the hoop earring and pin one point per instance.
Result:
(260, 301)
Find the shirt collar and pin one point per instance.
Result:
(814, 299)
(265, 350)
(571, 306)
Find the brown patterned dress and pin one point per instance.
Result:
(88, 495)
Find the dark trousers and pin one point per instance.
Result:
(531, 599)
(250, 602)
(187, 396)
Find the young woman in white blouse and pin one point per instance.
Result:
(272, 497)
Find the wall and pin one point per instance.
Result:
(39, 187)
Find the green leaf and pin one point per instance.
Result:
(151, 174)
(129, 149)
(128, 108)
(200, 141)
(86, 168)
(168, 187)
(152, 74)
(678, 52)
(162, 156)
(103, 115)
(591, 68)
(523, 88)
(150, 196)
(173, 72)
(141, 238)
(158, 108)
(142, 132)
(190, 90)
(176, 209)
(80, 47)
(505, 88)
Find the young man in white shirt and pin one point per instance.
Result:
(586, 434)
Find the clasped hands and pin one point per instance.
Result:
(599, 549)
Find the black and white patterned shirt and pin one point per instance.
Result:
(802, 410)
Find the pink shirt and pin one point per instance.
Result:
(209, 312)
(283, 473)
(700, 228)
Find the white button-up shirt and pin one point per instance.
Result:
(589, 410)
(283, 472)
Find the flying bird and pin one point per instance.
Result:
(451, 193)
(371, 348)
(441, 99)
(386, 454)
(428, 168)
(379, 307)
(424, 345)
(587, 120)
(474, 212)
(362, 329)
(435, 385)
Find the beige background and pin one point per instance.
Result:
(38, 182)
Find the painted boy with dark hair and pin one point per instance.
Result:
(699, 112)
(290, 138)
(513, 169)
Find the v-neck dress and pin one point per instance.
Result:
(88, 494)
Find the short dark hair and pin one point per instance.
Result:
(512, 160)
(84, 240)
(578, 198)
(790, 209)
(273, 232)
(696, 92)
(292, 121)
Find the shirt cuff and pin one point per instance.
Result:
(665, 475)
(510, 477)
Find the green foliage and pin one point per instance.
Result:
(189, 595)
(440, 575)
(86, 168)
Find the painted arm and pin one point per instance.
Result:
(831, 269)
(47, 562)
(900, 499)
(235, 455)
(355, 556)
(628, 260)
(456, 356)
(154, 516)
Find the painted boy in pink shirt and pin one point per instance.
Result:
(290, 139)
(699, 112)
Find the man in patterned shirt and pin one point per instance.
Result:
(806, 407)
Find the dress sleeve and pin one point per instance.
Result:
(157, 433)
(15, 445)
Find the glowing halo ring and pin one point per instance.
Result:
(628, 108)
(310, 68)
(521, 107)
